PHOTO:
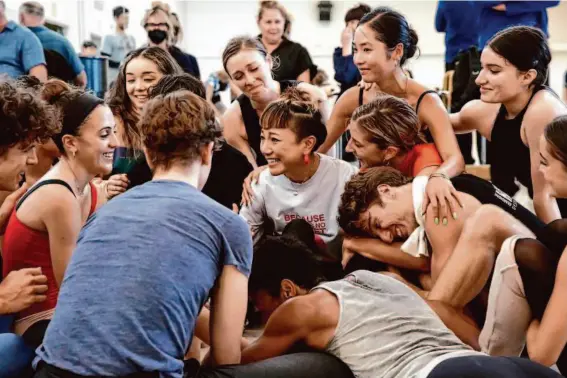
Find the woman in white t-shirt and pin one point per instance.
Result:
(299, 183)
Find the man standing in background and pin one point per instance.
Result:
(62, 60)
(116, 46)
(498, 15)
(20, 50)
(459, 20)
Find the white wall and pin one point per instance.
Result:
(209, 24)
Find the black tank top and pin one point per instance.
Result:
(488, 194)
(252, 121)
(510, 157)
(425, 131)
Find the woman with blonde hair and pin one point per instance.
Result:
(292, 61)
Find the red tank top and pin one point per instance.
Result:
(24, 247)
(419, 157)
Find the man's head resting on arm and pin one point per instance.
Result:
(378, 203)
(283, 268)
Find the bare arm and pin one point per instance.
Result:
(235, 132)
(228, 310)
(40, 72)
(81, 80)
(433, 114)
(304, 76)
(319, 97)
(289, 324)
(209, 92)
(391, 254)
(444, 238)
(340, 115)
(465, 330)
(538, 116)
(547, 340)
(63, 222)
(475, 116)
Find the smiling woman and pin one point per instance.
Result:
(42, 230)
(141, 70)
(513, 110)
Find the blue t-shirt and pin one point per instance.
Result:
(58, 43)
(460, 21)
(20, 50)
(142, 270)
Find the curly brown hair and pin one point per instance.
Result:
(24, 117)
(175, 126)
(361, 192)
(117, 97)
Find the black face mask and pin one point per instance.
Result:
(157, 36)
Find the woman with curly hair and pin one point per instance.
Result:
(42, 230)
(141, 70)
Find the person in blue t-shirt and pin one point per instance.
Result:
(499, 15)
(459, 20)
(147, 261)
(62, 60)
(20, 50)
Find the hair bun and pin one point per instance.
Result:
(53, 90)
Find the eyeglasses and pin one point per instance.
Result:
(152, 25)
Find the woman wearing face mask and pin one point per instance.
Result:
(161, 33)
(513, 109)
(141, 70)
(383, 42)
(299, 183)
(42, 230)
(292, 61)
(249, 67)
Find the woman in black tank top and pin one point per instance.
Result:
(542, 263)
(380, 53)
(246, 61)
(513, 110)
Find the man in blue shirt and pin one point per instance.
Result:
(459, 20)
(20, 50)
(32, 15)
(498, 15)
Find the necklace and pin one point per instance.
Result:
(80, 192)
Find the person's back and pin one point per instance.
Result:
(496, 16)
(459, 20)
(142, 270)
(385, 329)
(147, 261)
(53, 41)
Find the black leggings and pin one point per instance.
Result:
(491, 367)
(34, 335)
(299, 365)
(537, 263)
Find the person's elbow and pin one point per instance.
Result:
(228, 354)
(81, 79)
(39, 71)
(541, 355)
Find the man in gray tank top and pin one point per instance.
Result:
(374, 323)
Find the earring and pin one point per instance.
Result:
(387, 163)
(306, 159)
(74, 153)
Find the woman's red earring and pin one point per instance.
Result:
(306, 159)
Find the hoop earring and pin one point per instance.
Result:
(74, 153)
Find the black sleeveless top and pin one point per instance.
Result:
(252, 121)
(425, 131)
(510, 157)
